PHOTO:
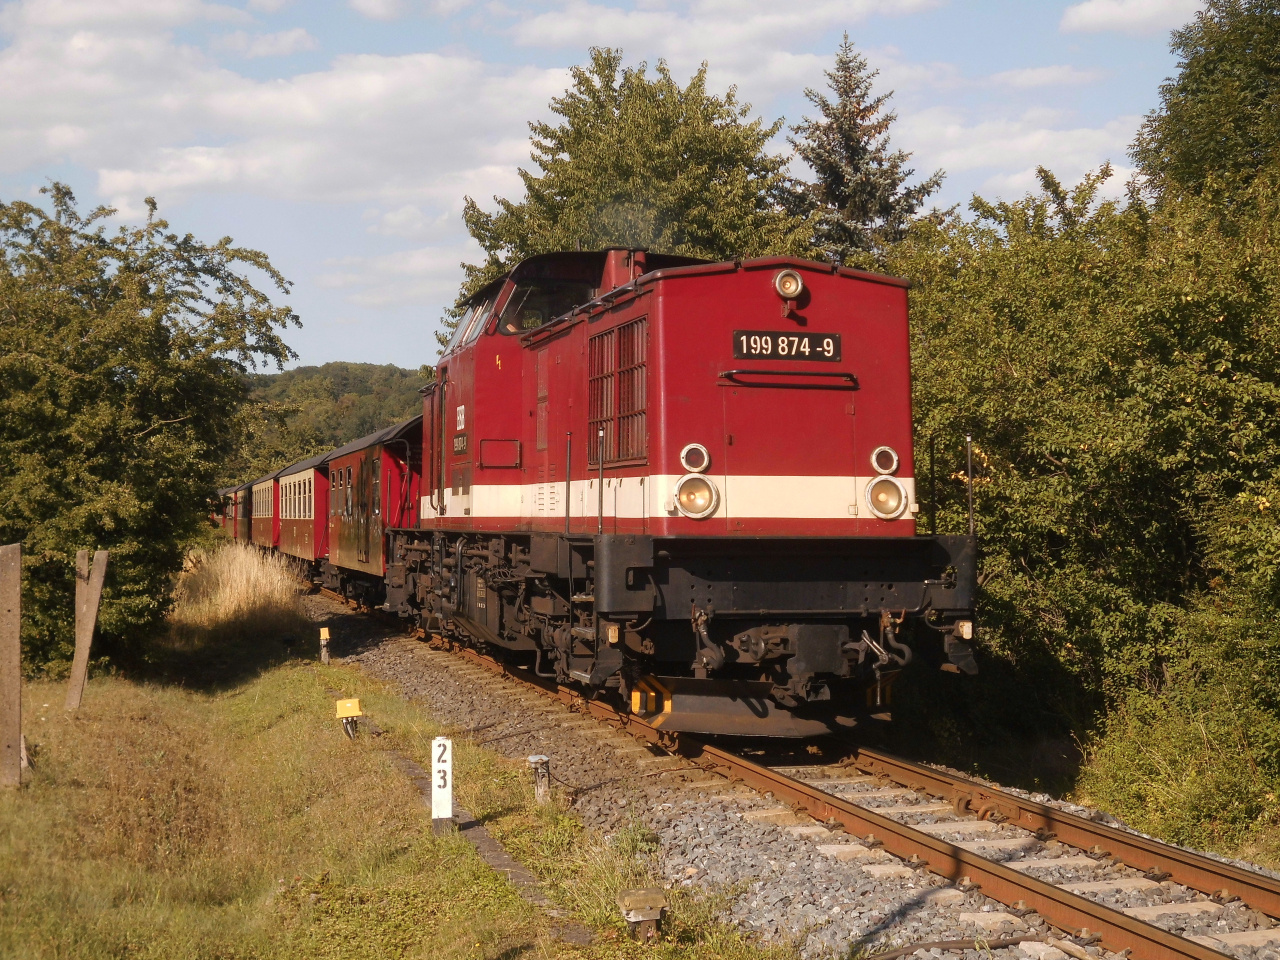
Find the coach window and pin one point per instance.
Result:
(377, 486)
(348, 510)
(533, 304)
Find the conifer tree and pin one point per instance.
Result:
(860, 201)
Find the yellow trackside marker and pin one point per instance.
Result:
(324, 633)
(349, 708)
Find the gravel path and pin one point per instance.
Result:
(790, 880)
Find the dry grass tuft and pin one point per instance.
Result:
(236, 610)
(235, 588)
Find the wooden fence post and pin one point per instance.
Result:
(88, 597)
(11, 665)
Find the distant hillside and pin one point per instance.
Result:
(308, 409)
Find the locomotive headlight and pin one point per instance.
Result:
(695, 458)
(887, 498)
(788, 284)
(884, 459)
(696, 496)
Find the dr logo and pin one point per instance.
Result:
(462, 417)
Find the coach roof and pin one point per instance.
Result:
(394, 432)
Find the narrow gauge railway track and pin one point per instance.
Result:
(1004, 824)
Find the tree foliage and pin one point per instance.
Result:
(121, 373)
(306, 410)
(1117, 366)
(1219, 118)
(641, 161)
(860, 202)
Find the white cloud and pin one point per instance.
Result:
(1060, 75)
(752, 44)
(1128, 16)
(1010, 149)
(419, 274)
(269, 6)
(27, 15)
(280, 44)
(378, 9)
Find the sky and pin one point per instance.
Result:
(342, 136)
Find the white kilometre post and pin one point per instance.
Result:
(441, 785)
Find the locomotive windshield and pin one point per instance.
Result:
(538, 301)
(469, 324)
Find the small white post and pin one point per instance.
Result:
(324, 644)
(441, 785)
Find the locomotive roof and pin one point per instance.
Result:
(588, 263)
(393, 432)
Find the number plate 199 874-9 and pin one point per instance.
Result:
(776, 345)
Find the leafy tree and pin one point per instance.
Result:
(641, 162)
(860, 201)
(1219, 119)
(122, 360)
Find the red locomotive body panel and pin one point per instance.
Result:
(688, 355)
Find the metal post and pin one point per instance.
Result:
(933, 489)
(968, 454)
(541, 778)
(88, 598)
(11, 665)
(600, 502)
(568, 476)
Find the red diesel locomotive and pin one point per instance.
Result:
(690, 484)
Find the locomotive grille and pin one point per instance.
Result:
(617, 367)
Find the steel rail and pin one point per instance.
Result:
(1065, 910)
(1061, 908)
(1194, 870)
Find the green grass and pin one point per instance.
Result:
(226, 816)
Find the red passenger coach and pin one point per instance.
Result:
(264, 497)
(689, 482)
(243, 524)
(374, 487)
(304, 509)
